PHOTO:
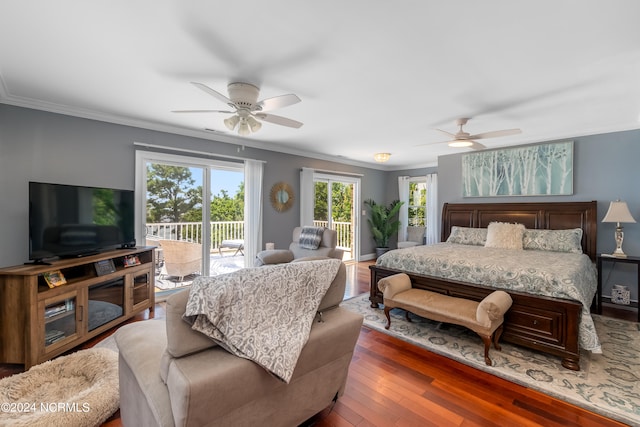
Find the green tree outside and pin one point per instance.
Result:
(172, 197)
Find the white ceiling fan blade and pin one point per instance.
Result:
(453, 135)
(477, 146)
(279, 120)
(203, 111)
(213, 93)
(277, 102)
(496, 133)
(433, 143)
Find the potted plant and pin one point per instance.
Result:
(383, 222)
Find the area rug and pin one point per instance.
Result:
(608, 383)
(80, 389)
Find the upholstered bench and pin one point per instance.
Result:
(484, 318)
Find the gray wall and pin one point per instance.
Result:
(42, 146)
(48, 147)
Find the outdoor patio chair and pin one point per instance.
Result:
(181, 258)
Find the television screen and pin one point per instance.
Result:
(68, 220)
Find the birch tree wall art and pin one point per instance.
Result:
(539, 170)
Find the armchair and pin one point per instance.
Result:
(326, 248)
(415, 237)
(181, 258)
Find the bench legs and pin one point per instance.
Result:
(487, 343)
(486, 339)
(386, 313)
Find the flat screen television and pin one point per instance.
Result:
(71, 221)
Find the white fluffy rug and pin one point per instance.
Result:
(80, 389)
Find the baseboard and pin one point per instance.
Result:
(367, 257)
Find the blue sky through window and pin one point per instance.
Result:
(220, 180)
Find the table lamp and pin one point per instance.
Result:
(618, 212)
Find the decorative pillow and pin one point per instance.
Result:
(504, 235)
(311, 237)
(554, 240)
(468, 236)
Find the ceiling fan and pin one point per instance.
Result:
(464, 139)
(247, 110)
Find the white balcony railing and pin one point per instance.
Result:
(230, 230)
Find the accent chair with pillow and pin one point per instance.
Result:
(306, 242)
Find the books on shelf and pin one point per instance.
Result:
(53, 335)
(61, 307)
(55, 309)
(54, 278)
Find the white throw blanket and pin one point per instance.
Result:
(263, 314)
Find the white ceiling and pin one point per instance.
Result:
(373, 76)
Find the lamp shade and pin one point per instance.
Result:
(231, 122)
(618, 212)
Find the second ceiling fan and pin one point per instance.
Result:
(465, 139)
(247, 110)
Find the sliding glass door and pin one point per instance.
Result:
(189, 208)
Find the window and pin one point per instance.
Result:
(417, 201)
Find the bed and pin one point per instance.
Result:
(550, 320)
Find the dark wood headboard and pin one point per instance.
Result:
(549, 215)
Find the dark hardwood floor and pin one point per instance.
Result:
(393, 383)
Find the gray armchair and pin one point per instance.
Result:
(415, 237)
(327, 248)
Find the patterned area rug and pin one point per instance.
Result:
(608, 383)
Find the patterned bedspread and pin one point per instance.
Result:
(553, 274)
(263, 314)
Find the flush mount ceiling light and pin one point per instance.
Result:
(381, 157)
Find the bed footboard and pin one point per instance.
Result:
(541, 323)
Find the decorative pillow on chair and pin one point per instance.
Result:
(554, 240)
(468, 236)
(504, 235)
(311, 237)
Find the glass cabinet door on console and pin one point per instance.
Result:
(62, 317)
(141, 289)
(106, 303)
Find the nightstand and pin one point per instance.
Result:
(605, 258)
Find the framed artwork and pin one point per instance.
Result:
(54, 278)
(535, 170)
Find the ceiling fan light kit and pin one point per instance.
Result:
(243, 98)
(460, 143)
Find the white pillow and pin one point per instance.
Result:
(504, 235)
